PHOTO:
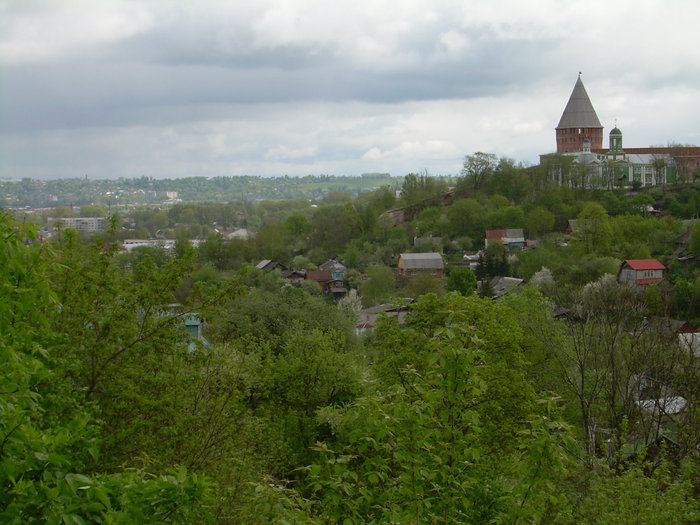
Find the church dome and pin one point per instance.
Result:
(615, 131)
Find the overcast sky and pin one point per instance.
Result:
(190, 88)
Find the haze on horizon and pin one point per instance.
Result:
(174, 89)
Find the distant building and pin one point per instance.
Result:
(329, 284)
(81, 224)
(641, 271)
(502, 285)
(268, 265)
(193, 325)
(369, 316)
(294, 276)
(578, 123)
(336, 268)
(434, 242)
(581, 160)
(410, 264)
(363, 328)
(241, 233)
(511, 238)
(130, 244)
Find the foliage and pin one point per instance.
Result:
(351, 305)
(462, 280)
(333, 226)
(420, 189)
(544, 280)
(465, 217)
(424, 449)
(695, 238)
(431, 221)
(379, 285)
(594, 234)
(495, 261)
(511, 181)
(539, 221)
(296, 420)
(250, 315)
(49, 436)
(311, 287)
(242, 189)
(422, 283)
(633, 496)
(476, 170)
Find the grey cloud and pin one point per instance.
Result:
(188, 67)
(205, 47)
(87, 93)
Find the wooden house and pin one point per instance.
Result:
(641, 272)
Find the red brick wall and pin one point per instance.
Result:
(571, 139)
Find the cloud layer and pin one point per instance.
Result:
(173, 88)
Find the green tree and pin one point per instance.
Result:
(297, 225)
(427, 449)
(351, 305)
(431, 221)
(476, 171)
(424, 283)
(183, 247)
(495, 260)
(91, 210)
(595, 233)
(332, 227)
(462, 280)
(272, 243)
(695, 238)
(510, 180)
(639, 496)
(379, 284)
(421, 188)
(505, 217)
(465, 216)
(539, 221)
(50, 445)
(110, 314)
(311, 287)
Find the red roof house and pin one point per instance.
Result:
(511, 237)
(641, 271)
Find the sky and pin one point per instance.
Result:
(211, 88)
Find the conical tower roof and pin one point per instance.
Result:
(579, 112)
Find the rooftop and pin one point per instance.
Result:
(644, 264)
(579, 112)
(422, 260)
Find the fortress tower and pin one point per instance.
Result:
(578, 123)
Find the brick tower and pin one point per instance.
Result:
(579, 122)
